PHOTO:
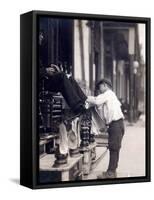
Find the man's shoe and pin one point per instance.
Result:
(52, 69)
(107, 175)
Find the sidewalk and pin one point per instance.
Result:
(132, 155)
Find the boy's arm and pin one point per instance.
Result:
(99, 100)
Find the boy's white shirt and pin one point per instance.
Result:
(110, 104)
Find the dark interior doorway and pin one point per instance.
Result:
(56, 46)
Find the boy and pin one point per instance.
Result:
(114, 120)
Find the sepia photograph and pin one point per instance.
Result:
(91, 99)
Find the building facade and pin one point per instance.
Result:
(92, 50)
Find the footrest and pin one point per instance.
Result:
(46, 144)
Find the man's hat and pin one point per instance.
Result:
(102, 81)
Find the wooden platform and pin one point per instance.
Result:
(78, 168)
(66, 172)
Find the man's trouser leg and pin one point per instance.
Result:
(78, 90)
(116, 132)
(60, 83)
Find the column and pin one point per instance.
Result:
(131, 48)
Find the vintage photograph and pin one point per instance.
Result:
(92, 109)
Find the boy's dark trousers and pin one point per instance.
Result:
(116, 132)
(68, 87)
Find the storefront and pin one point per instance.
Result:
(91, 50)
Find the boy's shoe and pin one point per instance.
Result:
(108, 175)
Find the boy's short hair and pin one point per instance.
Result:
(104, 81)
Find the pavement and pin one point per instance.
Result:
(132, 154)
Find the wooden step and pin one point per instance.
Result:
(70, 171)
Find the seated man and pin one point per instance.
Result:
(55, 80)
(58, 81)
